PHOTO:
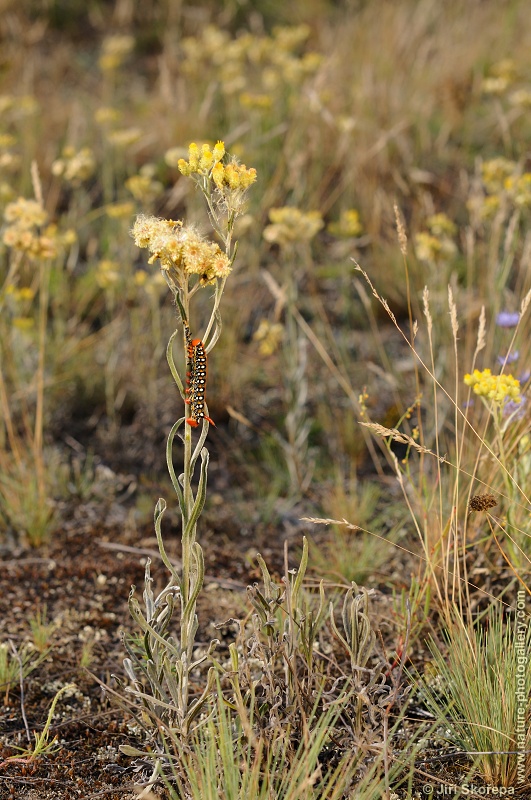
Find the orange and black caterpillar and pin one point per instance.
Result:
(196, 378)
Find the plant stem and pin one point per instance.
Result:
(44, 276)
(188, 497)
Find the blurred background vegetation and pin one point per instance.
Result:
(345, 109)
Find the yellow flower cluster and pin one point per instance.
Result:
(257, 69)
(182, 252)
(497, 388)
(21, 294)
(495, 172)
(291, 225)
(75, 167)
(484, 208)
(433, 248)
(201, 159)
(269, 334)
(504, 185)
(114, 51)
(144, 187)
(495, 86)
(119, 210)
(151, 284)
(230, 182)
(24, 232)
(18, 106)
(18, 301)
(124, 137)
(107, 116)
(519, 189)
(25, 214)
(9, 161)
(258, 100)
(348, 224)
(501, 75)
(441, 225)
(233, 177)
(435, 244)
(107, 273)
(208, 162)
(521, 98)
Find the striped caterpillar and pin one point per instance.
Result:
(196, 377)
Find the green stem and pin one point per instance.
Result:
(188, 505)
(44, 279)
(188, 498)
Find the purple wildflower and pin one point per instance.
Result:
(510, 358)
(515, 410)
(524, 377)
(507, 319)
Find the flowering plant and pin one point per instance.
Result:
(160, 672)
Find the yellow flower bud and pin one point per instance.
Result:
(247, 177)
(218, 174)
(206, 160)
(193, 157)
(231, 176)
(219, 151)
(184, 167)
